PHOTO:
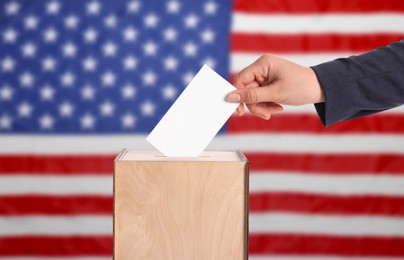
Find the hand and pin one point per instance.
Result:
(271, 82)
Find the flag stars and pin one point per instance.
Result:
(6, 93)
(90, 35)
(173, 6)
(190, 49)
(130, 62)
(87, 121)
(169, 92)
(133, 7)
(88, 92)
(128, 120)
(5, 121)
(170, 63)
(110, 21)
(26, 79)
(7, 64)
(66, 109)
(210, 7)
(53, 7)
(67, 79)
(89, 64)
(10, 35)
(150, 48)
(107, 108)
(46, 121)
(25, 109)
(48, 64)
(108, 79)
(71, 21)
(109, 49)
(28, 50)
(47, 93)
(128, 92)
(170, 34)
(151, 20)
(149, 78)
(31, 22)
(187, 77)
(147, 108)
(191, 21)
(69, 49)
(12, 8)
(210, 62)
(50, 35)
(93, 7)
(129, 34)
(208, 36)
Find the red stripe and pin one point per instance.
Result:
(54, 164)
(318, 6)
(326, 204)
(310, 43)
(311, 124)
(42, 246)
(305, 245)
(55, 205)
(327, 163)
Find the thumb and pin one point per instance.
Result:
(253, 95)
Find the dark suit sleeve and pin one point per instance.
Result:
(361, 85)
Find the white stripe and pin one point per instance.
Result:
(317, 23)
(56, 226)
(324, 224)
(300, 257)
(239, 60)
(362, 143)
(352, 184)
(57, 185)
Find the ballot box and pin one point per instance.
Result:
(180, 208)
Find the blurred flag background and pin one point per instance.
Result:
(80, 80)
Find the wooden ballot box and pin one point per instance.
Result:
(180, 208)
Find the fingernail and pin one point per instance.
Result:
(236, 98)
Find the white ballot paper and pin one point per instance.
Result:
(195, 117)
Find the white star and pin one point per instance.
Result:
(170, 63)
(93, 7)
(208, 36)
(10, 35)
(210, 62)
(12, 8)
(187, 77)
(190, 49)
(109, 49)
(24, 109)
(149, 78)
(87, 121)
(48, 64)
(46, 121)
(90, 35)
(31, 22)
(130, 62)
(6, 93)
(108, 78)
(26, 79)
(147, 108)
(169, 92)
(170, 34)
(133, 6)
(67, 79)
(107, 108)
(150, 48)
(88, 92)
(47, 93)
(191, 21)
(53, 7)
(128, 120)
(7, 64)
(28, 50)
(151, 20)
(66, 109)
(69, 49)
(5, 121)
(130, 34)
(110, 21)
(89, 64)
(128, 91)
(210, 7)
(71, 21)
(50, 35)
(173, 6)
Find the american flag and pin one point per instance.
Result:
(80, 80)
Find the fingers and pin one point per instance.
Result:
(265, 110)
(254, 95)
(256, 72)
